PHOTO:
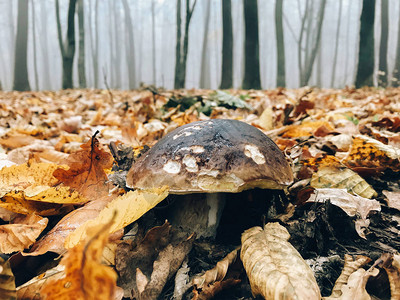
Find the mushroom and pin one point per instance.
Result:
(206, 160)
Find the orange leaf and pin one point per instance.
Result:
(86, 170)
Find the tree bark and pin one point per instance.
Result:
(336, 44)
(116, 45)
(153, 35)
(130, 53)
(182, 48)
(252, 65)
(81, 58)
(396, 69)
(383, 47)
(280, 45)
(204, 66)
(227, 46)
(35, 59)
(68, 48)
(21, 82)
(44, 46)
(365, 69)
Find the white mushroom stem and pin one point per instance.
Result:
(216, 203)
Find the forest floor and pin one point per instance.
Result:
(64, 156)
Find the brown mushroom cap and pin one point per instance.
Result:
(212, 156)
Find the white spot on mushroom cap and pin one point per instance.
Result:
(195, 127)
(197, 149)
(254, 153)
(172, 167)
(185, 133)
(190, 163)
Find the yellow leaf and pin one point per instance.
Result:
(274, 267)
(128, 208)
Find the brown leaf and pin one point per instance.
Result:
(7, 281)
(154, 260)
(86, 170)
(274, 267)
(85, 277)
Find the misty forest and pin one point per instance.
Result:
(53, 44)
(199, 149)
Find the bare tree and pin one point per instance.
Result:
(130, 52)
(35, 59)
(21, 82)
(396, 69)
(67, 48)
(280, 45)
(365, 69)
(251, 78)
(81, 57)
(182, 47)
(116, 44)
(383, 47)
(336, 44)
(153, 35)
(204, 65)
(227, 46)
(94, 39)
(44, 47)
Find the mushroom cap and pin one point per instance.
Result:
(217, 155)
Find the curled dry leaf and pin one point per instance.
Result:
(393, 199)
(86, 170)
(213, 281)
(342, 178)
(352, 205)
(7, 281)
(393, 272)
(128, 208)
(274, 267)
(85, 277)
(22, 233)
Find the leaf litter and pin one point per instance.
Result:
(63, 192)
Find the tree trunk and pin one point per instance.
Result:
(153, 35)
(21, 82)
(130, 53)
(280, 45)
(204, 65)
(116, 44)
(252, 65)
(35, 59)
(396, 69)
(383, 47)
(68, 48)
(227, 46)
(365, 69)
(310, 57)
(182, 50)
(81, 58)
(336, 44)
(94, 40)
(45, 74)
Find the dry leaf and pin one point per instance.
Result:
(353, 205)
(274, 267)
(342, 178)
(7, 281)
(393, 199)
(86, 170)
(153, 260)
(128, 208)
(22, 233)
(306, 129)
(393, 272)
(85, 277)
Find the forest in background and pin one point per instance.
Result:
(54, 44)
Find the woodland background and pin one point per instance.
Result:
(53, 44)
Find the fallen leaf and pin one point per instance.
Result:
(274, 267)
(144, 269)
(342, 178)
(393, 272)
(305, 129)
(85, 277)
(22, 233)
(393, 199)
(128, 208)
(352, 205)
(7, 281)
(86, 170)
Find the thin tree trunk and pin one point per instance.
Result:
(81, 58)
(365, 69)
(21, 82)
(130, 54)
(280, 45)
(396, 70)
(319, 67)
(111, 67)
(252, 65)
(204, 76)
(44, 46)
(94, 44)
(346, 63)
(153, 35)
(227, 46)
(35, 68)
(117, 50)
(178, 44)
(300, 41)
(336, 44)
(383, 47)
